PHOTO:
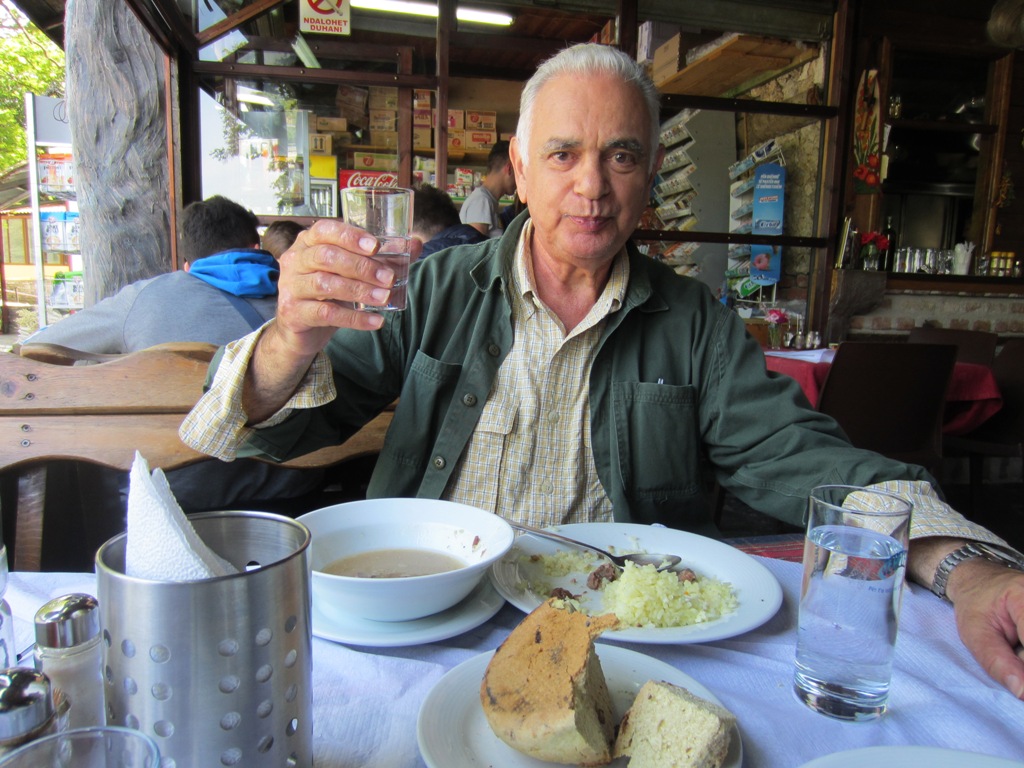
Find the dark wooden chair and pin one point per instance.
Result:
(1002, 436)
(52, 412)
(971, 346)
(889, 397)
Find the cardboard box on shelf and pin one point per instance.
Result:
(422, 99)
(383, 119)
(421, 137)
(457, 140)
(464, 177)
(669, 58)
(424, 164)
(480, 139)
(651, 35)
(331, 124)
(480, 120)
(352, 96)
(356, 117)
(383, 97)
(384, 138)
(320, 143)
(376, 161)
(422, 118)
(456, 119)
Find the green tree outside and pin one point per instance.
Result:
(31, 63)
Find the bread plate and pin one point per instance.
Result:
(521, 580)
(453, 732)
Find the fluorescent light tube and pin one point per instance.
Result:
(426, 9)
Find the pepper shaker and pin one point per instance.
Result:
(29, 708)
(68, 650)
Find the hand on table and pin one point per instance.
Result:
(988, 600)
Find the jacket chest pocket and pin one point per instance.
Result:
(657, 439)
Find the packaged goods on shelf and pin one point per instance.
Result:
(476, 139)
(422, 99)
(72, 232)
(320, 143)
(676, 206)
(464, 177)
(331, 124)
(762, 153)
(674, 129)
(383, 119)
(376, 161)
(744, 225)
(384, 138)
(352, 96)
(423, 118)
(56, 173)
(742, 210)
(739, 251)
(677, 158)
(456, 119)
(650, 36)
(481, 120)
(53, 230)
(383, 97)
(424, 163)
(422, 137)
(676, 183)
(457, 140)
(741, 187)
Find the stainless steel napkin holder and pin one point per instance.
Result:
(217, 671)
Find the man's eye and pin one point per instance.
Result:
(624, 159)
(560, 157)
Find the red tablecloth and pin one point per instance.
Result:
(973, 396)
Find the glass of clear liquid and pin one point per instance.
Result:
(855, 556)
(385, 212)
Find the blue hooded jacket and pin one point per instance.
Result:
(247, 272)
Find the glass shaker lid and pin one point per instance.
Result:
(26, 702)
(67, 621)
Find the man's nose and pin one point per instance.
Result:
(591, 181)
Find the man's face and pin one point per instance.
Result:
(587, 179)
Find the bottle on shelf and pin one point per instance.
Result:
(887, 256)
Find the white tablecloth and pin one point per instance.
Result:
(366, 700)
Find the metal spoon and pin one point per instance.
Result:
(660, 562)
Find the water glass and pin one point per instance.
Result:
(855, 556)
(100, 747)
(385, 212)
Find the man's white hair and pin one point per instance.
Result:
(582, 60)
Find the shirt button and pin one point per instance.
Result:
(493, 350)
(553, 417)
(439, 462)
(469, 399)
(548, 488)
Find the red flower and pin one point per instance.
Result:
(873, 161)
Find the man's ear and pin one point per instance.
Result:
(516, 161)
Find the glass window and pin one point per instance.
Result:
(16, 244)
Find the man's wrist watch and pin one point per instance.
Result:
(969, 551)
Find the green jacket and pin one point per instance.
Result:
(678, 391)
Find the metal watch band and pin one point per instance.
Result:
(969, 551)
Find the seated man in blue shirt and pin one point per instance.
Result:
(435, 221)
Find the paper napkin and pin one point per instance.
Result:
(162, 544)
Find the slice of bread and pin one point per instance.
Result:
(544, 693)
(669, 727)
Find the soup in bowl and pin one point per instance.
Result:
(400, 559)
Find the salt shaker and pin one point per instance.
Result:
(29, 708)
(8, 651)
(69, 652)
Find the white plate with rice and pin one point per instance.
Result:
(453, 731)
(730, 582)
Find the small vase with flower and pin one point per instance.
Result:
(775, 318)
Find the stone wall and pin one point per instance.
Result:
(899, 312)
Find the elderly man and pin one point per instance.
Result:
(556, 375)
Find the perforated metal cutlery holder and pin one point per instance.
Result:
(218, 671)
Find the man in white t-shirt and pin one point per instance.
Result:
(480, 210)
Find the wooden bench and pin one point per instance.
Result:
(102, 414)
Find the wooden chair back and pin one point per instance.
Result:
(105, 412)
(971, 346)
(890, 398)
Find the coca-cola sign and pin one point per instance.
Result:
(367, 179)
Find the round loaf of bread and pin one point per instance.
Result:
(669, 727)
(544, 693)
